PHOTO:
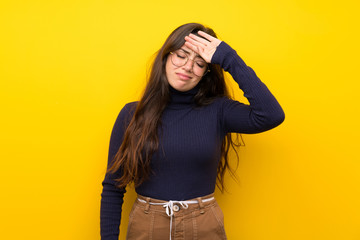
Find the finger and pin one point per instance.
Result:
(199, 39)
(207, 36)
(198, 50)
(192, 47)
(191, 40)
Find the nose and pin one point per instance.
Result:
(189, 65)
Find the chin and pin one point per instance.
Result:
(183, 88)
(180, 86)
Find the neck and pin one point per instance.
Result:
(180, 99)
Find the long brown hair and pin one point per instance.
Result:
(141, 138)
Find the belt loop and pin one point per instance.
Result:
(201, 204)
(147, 205)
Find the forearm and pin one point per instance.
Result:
(264, 111)
(110, 210)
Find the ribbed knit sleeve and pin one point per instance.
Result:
(112, 196)
(264, 111)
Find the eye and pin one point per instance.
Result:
(181, 55)
(200, 64)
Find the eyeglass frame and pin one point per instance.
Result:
(192, 66)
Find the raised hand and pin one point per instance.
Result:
(204, 47)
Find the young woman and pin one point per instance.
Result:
(173, 143)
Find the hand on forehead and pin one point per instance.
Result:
(189, 51)
(205, 45)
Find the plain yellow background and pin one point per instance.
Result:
(68, 67)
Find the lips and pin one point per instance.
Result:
(183, 76)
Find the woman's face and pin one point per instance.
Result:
(183, 78)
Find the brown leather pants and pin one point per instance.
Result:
(196, 221)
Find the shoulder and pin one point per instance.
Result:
(129, 107)
(223, 100)
(224, 103)
(126, 113)
(219, 103)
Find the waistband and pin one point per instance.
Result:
(174, 206)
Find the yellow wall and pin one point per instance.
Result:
(68, 67)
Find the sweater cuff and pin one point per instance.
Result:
(221, 52)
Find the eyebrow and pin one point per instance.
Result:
(187, 52)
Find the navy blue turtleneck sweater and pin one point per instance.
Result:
(186, 166)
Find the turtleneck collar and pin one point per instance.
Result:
(180, 99)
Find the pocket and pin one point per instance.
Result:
(139, 224)
(131, 214)
(219, 215)
(210, 224)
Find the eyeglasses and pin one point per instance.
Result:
(179, 58)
